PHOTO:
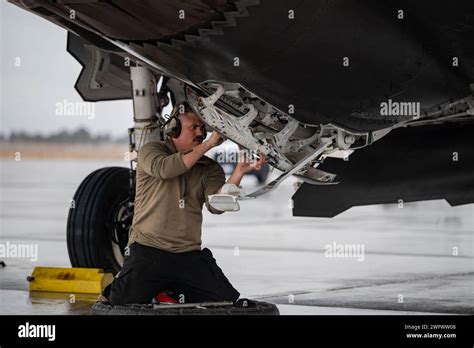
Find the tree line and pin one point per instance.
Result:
(80, 135)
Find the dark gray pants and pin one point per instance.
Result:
(193, 276)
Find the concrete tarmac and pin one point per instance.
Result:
(416, 259)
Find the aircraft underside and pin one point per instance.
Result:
(303, 82)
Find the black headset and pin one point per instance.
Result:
(173, 125)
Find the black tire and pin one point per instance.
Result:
(94, 237)
(261, 308)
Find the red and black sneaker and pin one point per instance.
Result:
(164, 297)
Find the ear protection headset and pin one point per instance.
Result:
(173, 125)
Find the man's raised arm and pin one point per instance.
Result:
(190, 158)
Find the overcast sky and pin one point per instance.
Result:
(46, 76)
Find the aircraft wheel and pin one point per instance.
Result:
(99, 219)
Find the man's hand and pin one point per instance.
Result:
(192, 156)
(244, 166)
(249, 164)
(215, 140)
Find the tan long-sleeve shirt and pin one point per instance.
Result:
(169, 198)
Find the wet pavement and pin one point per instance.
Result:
(417, 259)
